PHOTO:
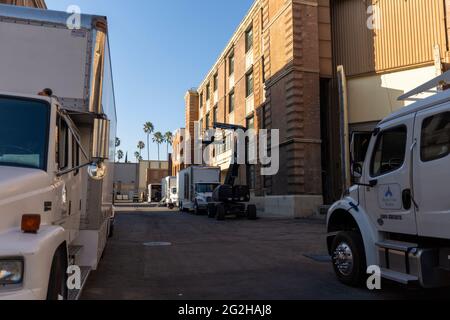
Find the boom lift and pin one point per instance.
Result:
(230, 199)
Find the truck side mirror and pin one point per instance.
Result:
(357, 170)
(100, 140)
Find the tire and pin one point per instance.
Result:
(348, 247)
(212, 210)
(57, 286)
(221, 214)
(251, 212)
(196, 210)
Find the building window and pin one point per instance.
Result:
(249, 39)
(263, 67)
(201, 100)
(249, 84)
(215, 114)
(231, 102)
(200, 125)
(251, 123)
(216, 82)
(231, 64)
(435, 142)
(208, 91)
(207, 121)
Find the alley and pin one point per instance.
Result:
(160, 254)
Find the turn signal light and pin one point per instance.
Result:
(31, 223)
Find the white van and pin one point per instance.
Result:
(398, 217)
(195, 188)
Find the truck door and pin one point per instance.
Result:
(432, 172)
(387, 169)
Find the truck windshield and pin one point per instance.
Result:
(205, 187)
(24, 125)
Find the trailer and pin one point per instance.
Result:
(195, 187)
(169, 192)
(397, 217)
(154, 193)
(57, 147)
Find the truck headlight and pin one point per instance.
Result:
(11, 271)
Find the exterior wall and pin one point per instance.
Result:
(383, 90)
(126, 178)
(26, 3)
(192, 115)
(291, 52)
(407, 32)
(151, 172)
(178, 152)
(381, 64)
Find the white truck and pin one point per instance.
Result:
(397, 218)
(169, 191)
(195, 187)
(154, 193)
(57, 132)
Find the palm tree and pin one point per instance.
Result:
(118, 142)
(158, 138)
(140, 146)
(120, 155)
(148, 129)
(168, 139)
(137, 156)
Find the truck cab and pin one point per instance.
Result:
(398, 216)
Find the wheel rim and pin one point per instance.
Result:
(343, 259)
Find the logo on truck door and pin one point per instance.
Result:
(389, 197)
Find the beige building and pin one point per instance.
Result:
(26, 3)
(269, 76)
(386, 48)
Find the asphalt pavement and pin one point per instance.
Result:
(157, 254)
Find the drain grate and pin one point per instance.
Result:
(318, 258)
(157, 244)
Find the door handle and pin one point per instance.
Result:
(407, 199)
(373, 183)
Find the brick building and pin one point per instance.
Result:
(269, 76)
(26, 3)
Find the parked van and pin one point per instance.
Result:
(195, 187)
(154, 193)
(397, 217)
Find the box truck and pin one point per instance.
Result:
(169, 192)
(154, 193)
(397, 218)
(57, 137)
(195, 188)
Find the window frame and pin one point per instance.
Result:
(249, 40)
(376, 146)
(231, 98)
(247, 77)
(231, 63)
(422, 139)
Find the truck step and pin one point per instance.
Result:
(397, 245)
(73, 253)
(398, 277)
(76, 294)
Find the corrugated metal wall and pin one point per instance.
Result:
(406, 33)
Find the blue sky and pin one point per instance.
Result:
(160, 49)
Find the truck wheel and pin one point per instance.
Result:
(196, 209)
(57, 287)
(221, 214)
(251, 212)
(349, 258)
(212, 210)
